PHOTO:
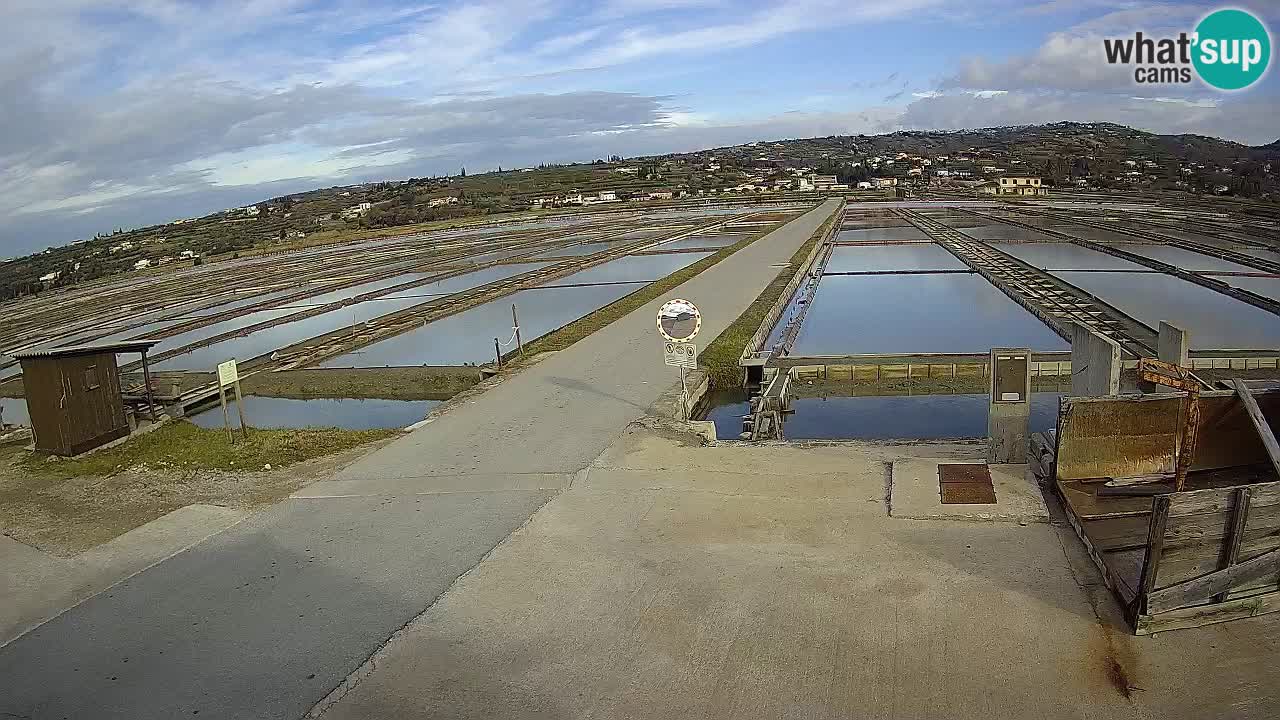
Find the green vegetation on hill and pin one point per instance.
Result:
(1101, 155)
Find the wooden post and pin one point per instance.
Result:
(226, 417)
(146, 379)
(1187, 442)
(1235, 533)
(515, 322)
(1155, 547)
(244, 426)
(497, 351)
(1259, 422)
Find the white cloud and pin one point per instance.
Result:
(1074, 59)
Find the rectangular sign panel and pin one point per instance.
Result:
(227, 373)
(683, 355)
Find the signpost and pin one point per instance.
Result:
(679, 322)
(229, 376)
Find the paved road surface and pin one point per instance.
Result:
(263, 620)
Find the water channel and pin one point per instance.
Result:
(345, 413)
(880, 417)
(890, 314)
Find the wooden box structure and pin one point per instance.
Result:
(74, 397)
(1207, 554)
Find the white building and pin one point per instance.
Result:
(1021, 185)
(142, 264)
(824, 182)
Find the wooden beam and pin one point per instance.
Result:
(1155, 547)
(1235, 533)
(1201, 615)
(1259, 422)
(1200, 589)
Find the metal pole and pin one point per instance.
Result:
(515, 322)
(684, 395)
(146, 378)
(497, 351)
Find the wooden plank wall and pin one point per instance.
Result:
(1207, 531)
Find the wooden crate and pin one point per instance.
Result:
(1179, 559)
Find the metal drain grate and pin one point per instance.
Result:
(966, 484)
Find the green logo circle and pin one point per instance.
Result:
(1233, 49)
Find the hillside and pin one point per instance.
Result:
(1097, 154)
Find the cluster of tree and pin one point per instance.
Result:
(845, 172)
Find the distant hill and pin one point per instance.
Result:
(1100, 154)
(1104, 141)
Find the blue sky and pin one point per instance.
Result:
(131, 112)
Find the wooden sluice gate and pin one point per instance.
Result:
(1179, 510)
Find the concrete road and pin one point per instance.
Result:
(264, 620)
(771, 582)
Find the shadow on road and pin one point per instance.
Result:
(579, 386)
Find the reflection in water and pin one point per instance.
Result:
(700, 241)
(1215, 321)
(1185, 259)
(346, 413)
(468, 336)
(13, 411)
(881, 314)
(1065, 256)
(881, 234)
(278, 336)
(890, 417)
(916, 256)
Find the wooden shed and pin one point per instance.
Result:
(73, 394)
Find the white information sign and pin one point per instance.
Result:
(227, 373)
(682, 355)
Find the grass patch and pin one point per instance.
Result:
(584, 326)
(720, 358)
(401, 383)
(184, 446)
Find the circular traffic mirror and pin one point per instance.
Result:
(679, 320)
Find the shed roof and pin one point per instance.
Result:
(127, 346)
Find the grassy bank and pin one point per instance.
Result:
(68, 506)
(972, 384)
(720, 358)
(582, 327)
(182, 445)
(400, 383)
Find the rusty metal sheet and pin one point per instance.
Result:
(964, 473)
(968, 494)
(1127, 435)
(966, 484)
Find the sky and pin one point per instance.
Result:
(125, 113)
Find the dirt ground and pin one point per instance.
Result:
(67, 513)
